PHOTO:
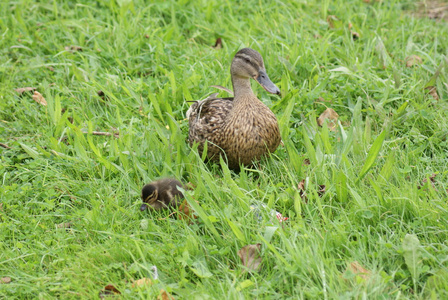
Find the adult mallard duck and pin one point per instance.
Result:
(241, 127)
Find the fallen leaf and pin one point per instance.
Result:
(218, 43)
(25, 89)
(306, 162)
(350, 26)
(432, 180)
(358, 270)
(332, 117)
(185, 212)
(355, 35)
(164, 295)
(432, 91)
(64, 225)
(146, 36)
(5, 280)
(321, 190)
(250, 256)
(73, 48)
(39, 98)
(413, 60)
(301, 188)
(142, 282)
(109, 290)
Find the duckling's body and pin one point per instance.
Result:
(242, 127)
(161, 194)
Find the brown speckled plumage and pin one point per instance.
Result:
(161, 194)
(243, 128)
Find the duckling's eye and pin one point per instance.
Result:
(247, 60)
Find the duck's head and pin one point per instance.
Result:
(149, 196)
(248, 63)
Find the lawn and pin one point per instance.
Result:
(366, 196)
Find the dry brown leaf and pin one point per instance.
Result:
(432, 180)
(25, 89)
(73, 48)
(109, 290)
(250, 256)
(433, 92)
(39, 98)
(218, 43)
(164, 295)
(142, 282)
(302, 193)
(302, 190)
(185, 212)
(306, 162)
(64, 225)
(355, 35)
(332, 117)
(101, 94)
(321, 190)
(358, 270)
(413, 60)
(5, 280)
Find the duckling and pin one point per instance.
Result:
(161, 194)
(241, 128)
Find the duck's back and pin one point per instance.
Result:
(206, 120)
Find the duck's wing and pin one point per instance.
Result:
(206, 117)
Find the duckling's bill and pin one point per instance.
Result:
(266, 83)
(143, 207)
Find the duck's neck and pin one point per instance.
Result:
(242, 88)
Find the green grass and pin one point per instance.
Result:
(149, 59)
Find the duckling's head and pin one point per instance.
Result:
(248, 63)
(149, 195)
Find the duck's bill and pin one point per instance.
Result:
(266, 83)
(143, 207)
